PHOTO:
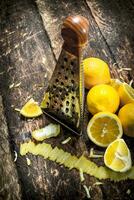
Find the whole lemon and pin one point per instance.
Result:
(102, 98)
(96, 71)
(126, 116)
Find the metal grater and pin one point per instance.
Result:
(64, 98)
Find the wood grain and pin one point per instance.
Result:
(30, 44)
(115, 20)
(9, 182)
(27, 59)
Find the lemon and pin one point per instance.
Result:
(126, 116)
(104, 128)
(115, 83)
(126, 93)
(96, 71)
(102, 98)
(117, 156)
(31, 109)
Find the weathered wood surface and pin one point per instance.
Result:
(27, 58)
(30, 43)
(115, 20)
(9, 182)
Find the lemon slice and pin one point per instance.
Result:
(31, 109)
(126, 93)
(104, 128)
(117, 156)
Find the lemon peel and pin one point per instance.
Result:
(88, 167)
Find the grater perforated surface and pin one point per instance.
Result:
(63, 100)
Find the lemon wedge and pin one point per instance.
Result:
(104, 128)
(31, 109)
(117, 156)
(126, 93)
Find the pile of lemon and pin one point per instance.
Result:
(111, 102)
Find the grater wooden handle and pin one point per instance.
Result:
(75, 32)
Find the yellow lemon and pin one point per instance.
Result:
(126, 115)
(117, 156)
(102, 98)
(115, 83)
(104, 128)
(96, 71)
(126, 93)
(31, 109)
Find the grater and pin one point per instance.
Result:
(64, 98)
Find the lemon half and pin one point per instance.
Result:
(104, 128)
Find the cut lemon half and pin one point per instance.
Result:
(117, 156)
(31, 109)
(104, 128)
(126, 93)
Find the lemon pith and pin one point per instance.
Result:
(104, 128)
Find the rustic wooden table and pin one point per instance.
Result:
(30, 41)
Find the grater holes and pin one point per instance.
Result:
(56, 80)
(65, 59)
(62, 113)
(62, 98)
(58, 109)
(73, 90)
(60, 90)
(54, 86)
(57, 95)
(67, 69)
(73, 113)
(73, 105)
(47, 103)
(52, 107)
(62, 83)
(72, 63)
(59, 73)
(66, 78)
(49, 98)
(72, 81)
(67, 103)
(62, 66)
(61, 105)
(73, 98)
(55, 101)
(67, 110)
(72, 72)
